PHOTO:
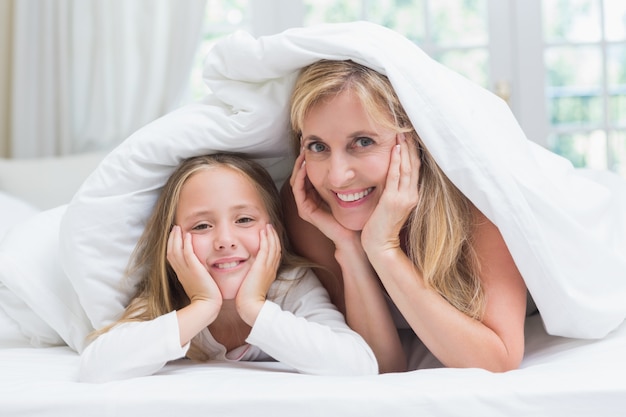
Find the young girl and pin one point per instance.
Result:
(216, 286)
(406, 248)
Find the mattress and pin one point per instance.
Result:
(558, 377)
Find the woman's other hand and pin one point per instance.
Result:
(398, 200)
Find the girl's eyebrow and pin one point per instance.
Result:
(237, 207)
(199, 212)
(246, 207)
(196, 213)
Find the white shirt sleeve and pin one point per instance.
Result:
(309, 334)
(132, 349)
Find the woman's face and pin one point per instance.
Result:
(225, 214)
(347, 157)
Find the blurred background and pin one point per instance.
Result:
(81, 76)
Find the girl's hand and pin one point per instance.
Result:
(401, 195)
(195, 279)
(262, 274)
(312, 208)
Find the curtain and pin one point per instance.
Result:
(5, 52)
(85, 74)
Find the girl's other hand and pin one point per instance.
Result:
(253, 291)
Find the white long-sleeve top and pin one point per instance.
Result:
(298, 326)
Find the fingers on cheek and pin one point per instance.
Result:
(298, 177)
(297, 169)
(407, 168)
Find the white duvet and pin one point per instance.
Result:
(566, 228)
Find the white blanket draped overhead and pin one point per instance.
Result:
(567, 232)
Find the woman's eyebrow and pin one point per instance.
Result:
(369, 133)
(310, 138)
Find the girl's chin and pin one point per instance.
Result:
(229, 287)
(228, 294)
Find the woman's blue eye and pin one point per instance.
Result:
(316, 147)
(364, 142)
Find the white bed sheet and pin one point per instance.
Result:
(558, 377)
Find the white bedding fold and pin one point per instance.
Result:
(34, 289)
(566, 232)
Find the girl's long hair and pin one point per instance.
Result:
(158, 290)
(440, 229)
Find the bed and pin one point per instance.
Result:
(558, 377)
(62, 256)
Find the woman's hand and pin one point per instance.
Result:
(353, 284)
(401, 195)
(195, 279)
(262, 274)
(312, 208)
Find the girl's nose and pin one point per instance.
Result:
(224, 239)
(224, 245)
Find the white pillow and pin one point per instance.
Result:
(47, 182)
(14, 211)
(34, 289)
(23, 323)
(108, 213)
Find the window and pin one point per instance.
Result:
(221, 18)
(454, 32)
(561, 64)
(585, 76)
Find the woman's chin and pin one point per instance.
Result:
(354, 223)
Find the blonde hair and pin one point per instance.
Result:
(158, 291)
(439, 238)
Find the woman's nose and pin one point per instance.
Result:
(340, 170)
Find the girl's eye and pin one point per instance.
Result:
(202, 226)
(363, 142)
(316, 147)
(245, 220)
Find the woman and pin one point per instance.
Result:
(368, 203)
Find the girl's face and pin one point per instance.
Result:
(347, 157)
(224, 213)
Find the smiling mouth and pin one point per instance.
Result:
(227, 265)
(349, 198)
